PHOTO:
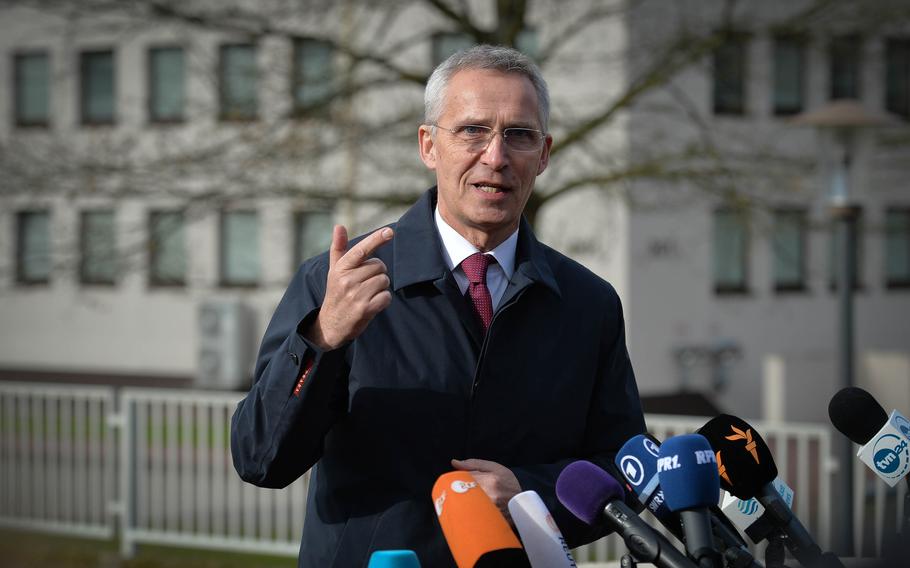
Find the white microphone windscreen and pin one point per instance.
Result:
(542, 539)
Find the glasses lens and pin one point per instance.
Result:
(522, 139)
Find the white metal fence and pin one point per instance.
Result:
(154, 466)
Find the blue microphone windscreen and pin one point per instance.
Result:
(394, 559)
(637, 462)
(585, 489)
(687, 470)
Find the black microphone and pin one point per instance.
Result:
(747, 470)
(590, 493)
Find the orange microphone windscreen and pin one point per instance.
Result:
(471, 523)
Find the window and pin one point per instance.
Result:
(97, 81)
(844, 54)
(526, 42)
(789, 242)
(98, 250)
(834, 254)
(166, 84)
(32, 89)
(313, 73)
(33, 247)
(897, 77)
(897, 248)
(313, 234)
(730, 75)
(731, 241)
(167, 249)
(239, 248)
(789, 69)
(446, 44)
(237, 80)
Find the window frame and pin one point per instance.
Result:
(318, 106)
(223, 282)
(83, 276)
(724, 289)
(801, 43)
(154, 281)
(84, 119)
(150, 84)
(743, 40)
(852, 45)
(17, 56)
(224, 113)
(802, 284)
(298, 217)
(20, 278)
(895, 284)
(888, 104)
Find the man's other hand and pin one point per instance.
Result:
(357, 288)
(496, 480)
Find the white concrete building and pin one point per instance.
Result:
(153, 164)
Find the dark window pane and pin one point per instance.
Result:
(897, 247)
(98, 102)
(239, 248)
(98, 247)
(845, 55)
(313, 231)
(730, 76)
(835, 256)
(32, 76)
(526, 42)
(167, 248)
(313, 72)
(789, 242)
(788, 75)
(449, 43)
(33, 247)
(166, 84)
(731, 241)
(897, 77)
(237, 82)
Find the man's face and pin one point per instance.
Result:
(483, 193)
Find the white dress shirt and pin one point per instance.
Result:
(456, 248)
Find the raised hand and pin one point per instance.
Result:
(357, 288)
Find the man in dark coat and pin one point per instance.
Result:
(389, 361)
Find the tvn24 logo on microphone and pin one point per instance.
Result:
(888, 452)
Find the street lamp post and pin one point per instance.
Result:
(841, 121)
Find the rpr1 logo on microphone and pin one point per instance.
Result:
(668, 463)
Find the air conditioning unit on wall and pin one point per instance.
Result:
(226, 345)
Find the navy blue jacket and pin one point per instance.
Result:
(381, 418)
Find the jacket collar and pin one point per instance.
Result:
(417, 250)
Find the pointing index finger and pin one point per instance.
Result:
(365, 248)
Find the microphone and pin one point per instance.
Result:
(687, 470)
(884, 440)
(394, 559)
(637, 461)
(748, 515)
(476, 532)
(542, 539)
(747, 470)
(590, 493)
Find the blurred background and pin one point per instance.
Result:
(737, 170)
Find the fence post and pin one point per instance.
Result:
(123, 421)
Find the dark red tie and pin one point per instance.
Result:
(475, 268)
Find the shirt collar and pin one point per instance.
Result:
(456, 248)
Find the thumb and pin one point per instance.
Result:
(339, 244)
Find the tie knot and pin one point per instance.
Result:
(475, 267)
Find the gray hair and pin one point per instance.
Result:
(494, 57)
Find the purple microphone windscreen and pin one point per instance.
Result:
(856, 414)
(585, 489)
(687, 470)
(744, 461)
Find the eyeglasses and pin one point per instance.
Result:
(476, 138)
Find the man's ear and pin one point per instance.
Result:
(427, 144)
(545, 155)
